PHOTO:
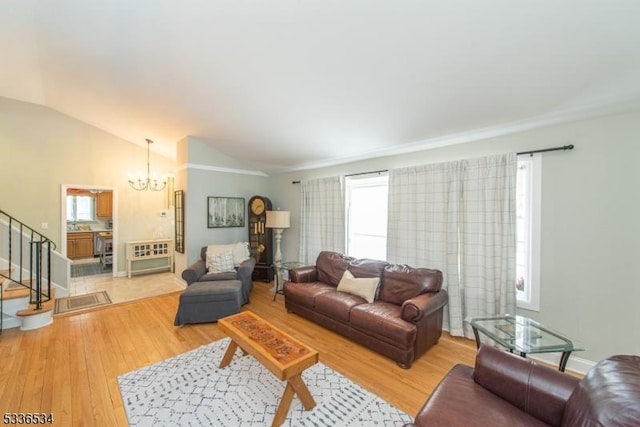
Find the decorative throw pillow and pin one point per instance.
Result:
(240, 252)
(222, 262)
(364, 287)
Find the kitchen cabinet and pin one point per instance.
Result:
(79, 245)
(104, 204)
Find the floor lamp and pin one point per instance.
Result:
(278, 220)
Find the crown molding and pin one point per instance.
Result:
(546, 120)
(210, 168)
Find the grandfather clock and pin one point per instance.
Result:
(260, 238)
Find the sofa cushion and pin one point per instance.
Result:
(366, 267)
(305, 293)
(227, 275)
(607, 396)
(459, 401)
(401, 282)
(331, 266)
(382, 320)
(337, 305)
(365, 287)
(535, 389)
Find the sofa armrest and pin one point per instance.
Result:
(245, 270)
(194, 272)
(417, 308)
(538, 390)
(306, 274)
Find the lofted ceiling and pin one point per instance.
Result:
(292, 84)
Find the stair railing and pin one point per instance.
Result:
(39, 252)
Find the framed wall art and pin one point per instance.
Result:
(225, 212)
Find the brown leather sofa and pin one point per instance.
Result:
(508, 390)
(402, 322)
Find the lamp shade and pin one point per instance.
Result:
(278, 219)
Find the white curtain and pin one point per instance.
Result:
(322, 217)
(459, 217)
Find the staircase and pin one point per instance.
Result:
(26, 295)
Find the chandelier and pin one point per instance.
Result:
(150, 182)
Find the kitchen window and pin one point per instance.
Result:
(81, 208)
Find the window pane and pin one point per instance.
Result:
(80, 208)
(367, 217)
(527, 280)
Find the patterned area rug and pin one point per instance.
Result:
(190, 389)
(81, 302)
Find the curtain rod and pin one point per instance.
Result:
(564, 147)
(354, 174)
(532, 152)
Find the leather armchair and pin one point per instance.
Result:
(508, 390)
(197, 272)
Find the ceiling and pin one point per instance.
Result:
(293, 84)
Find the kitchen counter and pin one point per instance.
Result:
(93, 230)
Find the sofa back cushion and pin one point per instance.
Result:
(331, 266)
(401, 282)
(535, 389)
(609, 395)
(367, 267)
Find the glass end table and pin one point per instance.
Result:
(524, 336)
(282, 270)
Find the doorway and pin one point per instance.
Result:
(89, 229)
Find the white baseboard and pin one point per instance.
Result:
(575, 364)
(180, 282)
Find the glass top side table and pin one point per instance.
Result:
(524, 336)
(282, 274)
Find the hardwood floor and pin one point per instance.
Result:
(70, 369)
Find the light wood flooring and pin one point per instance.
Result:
(70, 368)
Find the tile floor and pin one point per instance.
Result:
(122, 289)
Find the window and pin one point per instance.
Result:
(80, 208)
(366, 199)
(528, 233)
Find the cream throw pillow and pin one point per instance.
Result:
(240, 252)
(222, 262)
(364, 287)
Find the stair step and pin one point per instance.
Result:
(15, 293)
(46, 306)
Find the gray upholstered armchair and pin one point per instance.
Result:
(197, 272)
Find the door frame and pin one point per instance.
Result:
(114, 218)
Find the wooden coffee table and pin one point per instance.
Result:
(277, 351)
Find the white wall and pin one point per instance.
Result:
(590, 223)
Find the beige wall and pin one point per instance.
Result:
(590, 223)
(43, 149)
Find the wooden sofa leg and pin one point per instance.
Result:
(404, 365)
